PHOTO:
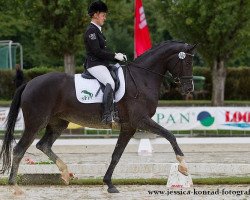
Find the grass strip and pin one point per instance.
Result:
(5, 103)
(222, 181)
(151, 181)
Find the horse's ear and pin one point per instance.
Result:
(192, 47)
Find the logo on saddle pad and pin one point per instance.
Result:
(87, 95)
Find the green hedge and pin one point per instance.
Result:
(6, 84)
(7, 87)
(237, 82)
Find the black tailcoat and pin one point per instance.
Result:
(95, 43)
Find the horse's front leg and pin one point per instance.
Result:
(150, 125)
(125, 135)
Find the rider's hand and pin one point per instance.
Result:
(120, 57)
(125, 57)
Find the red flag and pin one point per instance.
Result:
(142, 41)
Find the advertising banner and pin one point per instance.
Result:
(233, 118)
(181, 118)
(203, 118)
(186, 118)
(3, 118)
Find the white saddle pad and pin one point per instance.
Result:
(86, 89)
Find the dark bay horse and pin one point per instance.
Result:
(49, 101)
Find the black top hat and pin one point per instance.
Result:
(97, 6)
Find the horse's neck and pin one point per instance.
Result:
(149, 79)
(155, 68)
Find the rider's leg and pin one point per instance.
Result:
(102, 74)
(108, 104)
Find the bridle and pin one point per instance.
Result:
(182, 55)
(176, 79)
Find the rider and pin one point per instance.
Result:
(98, 56)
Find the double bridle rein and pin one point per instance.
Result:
(177, 79)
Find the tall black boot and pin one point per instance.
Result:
(108, 104)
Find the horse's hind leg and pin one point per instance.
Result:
(125, 135)
(150, 125)
(53, 131)
(18, 153)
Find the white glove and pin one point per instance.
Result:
(120, 57)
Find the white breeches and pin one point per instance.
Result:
(102, 74)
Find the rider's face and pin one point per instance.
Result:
(100, 18)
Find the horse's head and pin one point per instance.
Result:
(180, 66)
(175, 57)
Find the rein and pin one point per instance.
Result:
(129, 63)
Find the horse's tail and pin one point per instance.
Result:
(9, 133)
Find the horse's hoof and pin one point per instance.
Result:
(17, 191)
(113, 190)
(183, 170)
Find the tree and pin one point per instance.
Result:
(12, 20)
(118, 28)
(16, 26)
(221, 27)
(60, 24)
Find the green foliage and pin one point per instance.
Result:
(156, 21)
(118, 28)
(237, 82)
(60, 24)
(221, 27)
(13, 22)
(7, 87)
(120, 41)
(6, 84)
(17, 26)
(34, 72)
(48, 29)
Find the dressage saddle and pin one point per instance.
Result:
(114, 73)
